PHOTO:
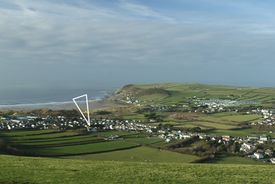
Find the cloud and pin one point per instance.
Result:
(144, 11)
(57, 32)
(128, 35)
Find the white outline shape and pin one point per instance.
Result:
(88, 121)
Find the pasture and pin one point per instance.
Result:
(128, 146)
(16, 170)
(140, 154)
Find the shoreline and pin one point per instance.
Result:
(48, 105)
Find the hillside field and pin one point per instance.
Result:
(24, 170)
(173, 93)
(75, 144)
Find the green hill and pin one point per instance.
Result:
(173, 93)
(23, 170)
(135, 159)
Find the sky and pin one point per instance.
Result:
(74, 44)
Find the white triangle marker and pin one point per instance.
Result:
(88, 121)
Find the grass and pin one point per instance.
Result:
(22, 133)
(19, 170)
(60, 141)
(53, 135)
(237, 160)
(140, 154)
(219, 121)
(73, 143)
(144, 140)
(93, 146)
(189, 126)
(241, 118)
(215, 125)
(82, 148)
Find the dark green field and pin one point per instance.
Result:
(129, 146)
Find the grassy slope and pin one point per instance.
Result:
(83, 149)
(140, 154)
(237, 160)
(42, 170)
(223, 123)
(93, 146)
(171, 93)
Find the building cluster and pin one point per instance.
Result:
(62, 122)
(250, 148)
(34, 122)
(169, 135)
(267, 115)
(131, 100)
(165, 108)
(124, 125)
(248, 145)
(218, 105)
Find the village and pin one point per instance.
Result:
(268, 117)
(250, 146)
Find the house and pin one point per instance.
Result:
(269, 152)
(167, 140)
(247, 147)
(226, 138)
(186, 136)
(263, 138)
(202, 136)
(258, 155)
(272, 160)
(253, 138)
(94, 129)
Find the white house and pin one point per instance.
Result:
(258, 155)
(167, 140)
(272, 160)
(263, 138)
(246, 147)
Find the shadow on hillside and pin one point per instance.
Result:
(22, 149)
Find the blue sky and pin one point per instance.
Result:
(74, 43)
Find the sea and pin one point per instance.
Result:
(47, 97)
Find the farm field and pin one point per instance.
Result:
(236, 160)
(140, 154)
(74, 144)
(240, 132)
(39, 143)
(129, 146)
(217, 121)
(235, 117)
